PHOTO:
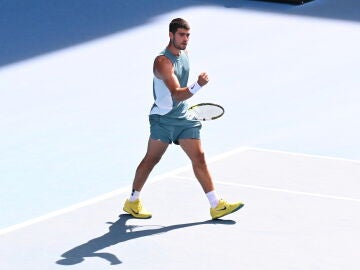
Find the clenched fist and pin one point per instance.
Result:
(203, 79)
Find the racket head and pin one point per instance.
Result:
(206, 111)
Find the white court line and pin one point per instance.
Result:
(62, 211)
(84, 203)
(303, 155)
(174, 173)
(109, 195)
(319, 195)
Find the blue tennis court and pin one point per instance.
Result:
(74, 77)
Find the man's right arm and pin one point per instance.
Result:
(164, 70)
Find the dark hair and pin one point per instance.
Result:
(177, 23)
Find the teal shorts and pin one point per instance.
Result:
(171, 130)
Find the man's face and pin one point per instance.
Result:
(180, 38)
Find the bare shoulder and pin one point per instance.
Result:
(163, 67)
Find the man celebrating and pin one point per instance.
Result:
(170, 123)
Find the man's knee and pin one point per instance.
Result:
(199, 158)
(151, 160)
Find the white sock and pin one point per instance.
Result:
(134, 195)
(213, 198)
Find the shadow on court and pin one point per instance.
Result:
(35, 27)
(120, 232)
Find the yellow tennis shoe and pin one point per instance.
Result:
(224, 208)
(136, 209)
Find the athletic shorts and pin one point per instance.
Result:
(171, 130)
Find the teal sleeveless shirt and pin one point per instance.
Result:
(164, 104)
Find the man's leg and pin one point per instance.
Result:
(155, 151)
(193, 149)
(153, 155)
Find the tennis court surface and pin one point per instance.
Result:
(301, 212)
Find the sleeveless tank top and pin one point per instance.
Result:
(164, 104)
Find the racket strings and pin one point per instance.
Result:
(206, 112)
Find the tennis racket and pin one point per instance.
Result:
(206, 111)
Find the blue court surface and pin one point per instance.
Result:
(296, 216)
(75, 91)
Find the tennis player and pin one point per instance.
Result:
(169, 123)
